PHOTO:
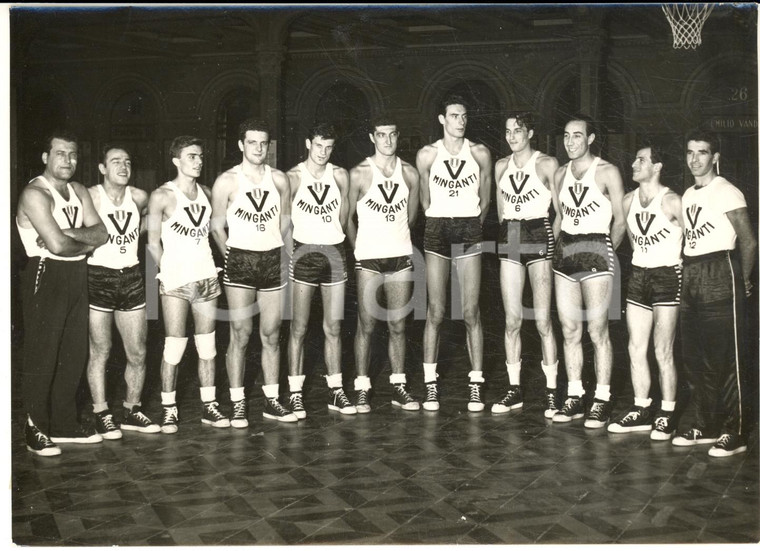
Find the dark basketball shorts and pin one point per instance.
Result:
(318, 264)
(258, 270)
(650, 287)
(116, 289)
(195, 291)
(525, 241)
(583, 256)
(388, 266)
(453, 237)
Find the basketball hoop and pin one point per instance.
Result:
(686, 21)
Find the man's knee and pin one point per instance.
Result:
(598, 331)
(205, 344)
(435, 313)
(240, 334)
(331, 329)
(397, 328)
(544, 328)
(174, 348)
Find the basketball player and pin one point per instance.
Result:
(455, 192)
(253, 200)
(655, 229)
(117, 294)
(178, 224)
(719, 256)
(58, 226)
(592, 224)
(384, 193)
(525, 191)
(319, 211)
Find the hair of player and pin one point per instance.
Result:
(108, 146)
(705, 136)
(324, 130)
(181, 142)
(383, 119)
(590, 124)
(60, 134)
(452, 99)
(253, 125)
(522, 118)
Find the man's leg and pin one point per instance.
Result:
(665, 322)
(468, 272)
(512, 283)
(570, 311)
(299, 324)
(204, 316)
(174, 310)
(398, 293)
(437, 276)
(333, 297)
(541, 277)
(270, 320)
(101, 327)
(240, 301)
(597, 295)
(366, 294)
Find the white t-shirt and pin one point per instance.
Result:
(708, 229)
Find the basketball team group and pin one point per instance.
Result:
(285, 232)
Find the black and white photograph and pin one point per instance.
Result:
(403, 274)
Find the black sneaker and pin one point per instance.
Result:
(431, 397)
(362, 402)
(572, 409)
(476, 400)
(401, 398)
(170, 423)
(77, 435)
(273, 409)
(637, 419)
(239, 419)
(692, 437)
(513, 399)
(136, 420)
(552, 403)
(727, 445)
(599, 415)
(296, 405)
(106, 426)
(212, 416)
(340, 402)
(662, 428)
(38, 442)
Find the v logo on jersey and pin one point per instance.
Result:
(259, 194)
(195, 209)
(120, 215)
(578, 192)
(458, 166)
(692, 213)
(388, 187)
(644, 221)
(520, 176)
(71, 213)
(319, 192)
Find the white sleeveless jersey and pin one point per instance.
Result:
(585, 209)
(383, 217)
(67, 214)
(454, 184)
(253, 217)
(316, 209)
(123, 225)
(184, 235)
(524, 194)
(707, 228)
(657, 241)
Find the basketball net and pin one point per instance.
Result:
(686, 21)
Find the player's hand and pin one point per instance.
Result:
(747, 287)
(41, 243)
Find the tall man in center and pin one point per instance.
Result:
(253, 199)
(592, 224)
(319, 212)
(455, 191)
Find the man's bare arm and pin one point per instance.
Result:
(745, 240)
(412, 179)
(483, 158)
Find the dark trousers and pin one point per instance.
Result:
(55, 305)
(712, 333)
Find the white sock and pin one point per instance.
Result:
(362, 383)
(295, 382)
(575, 388)
(271, 391)
(513, 370)
(476, 377)
(335, 380)
(97, 408)
(550, 372)
(237, 394)
(642, 402)
(169, 398)
(208, 394)
(602, 393)
(398, 378)
(668, 406)
(430, 372)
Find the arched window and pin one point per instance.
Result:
(133, 123)
(484, 124)
(236, 106)
(346, 107)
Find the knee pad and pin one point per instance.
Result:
(174, 347)
(206, 345)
